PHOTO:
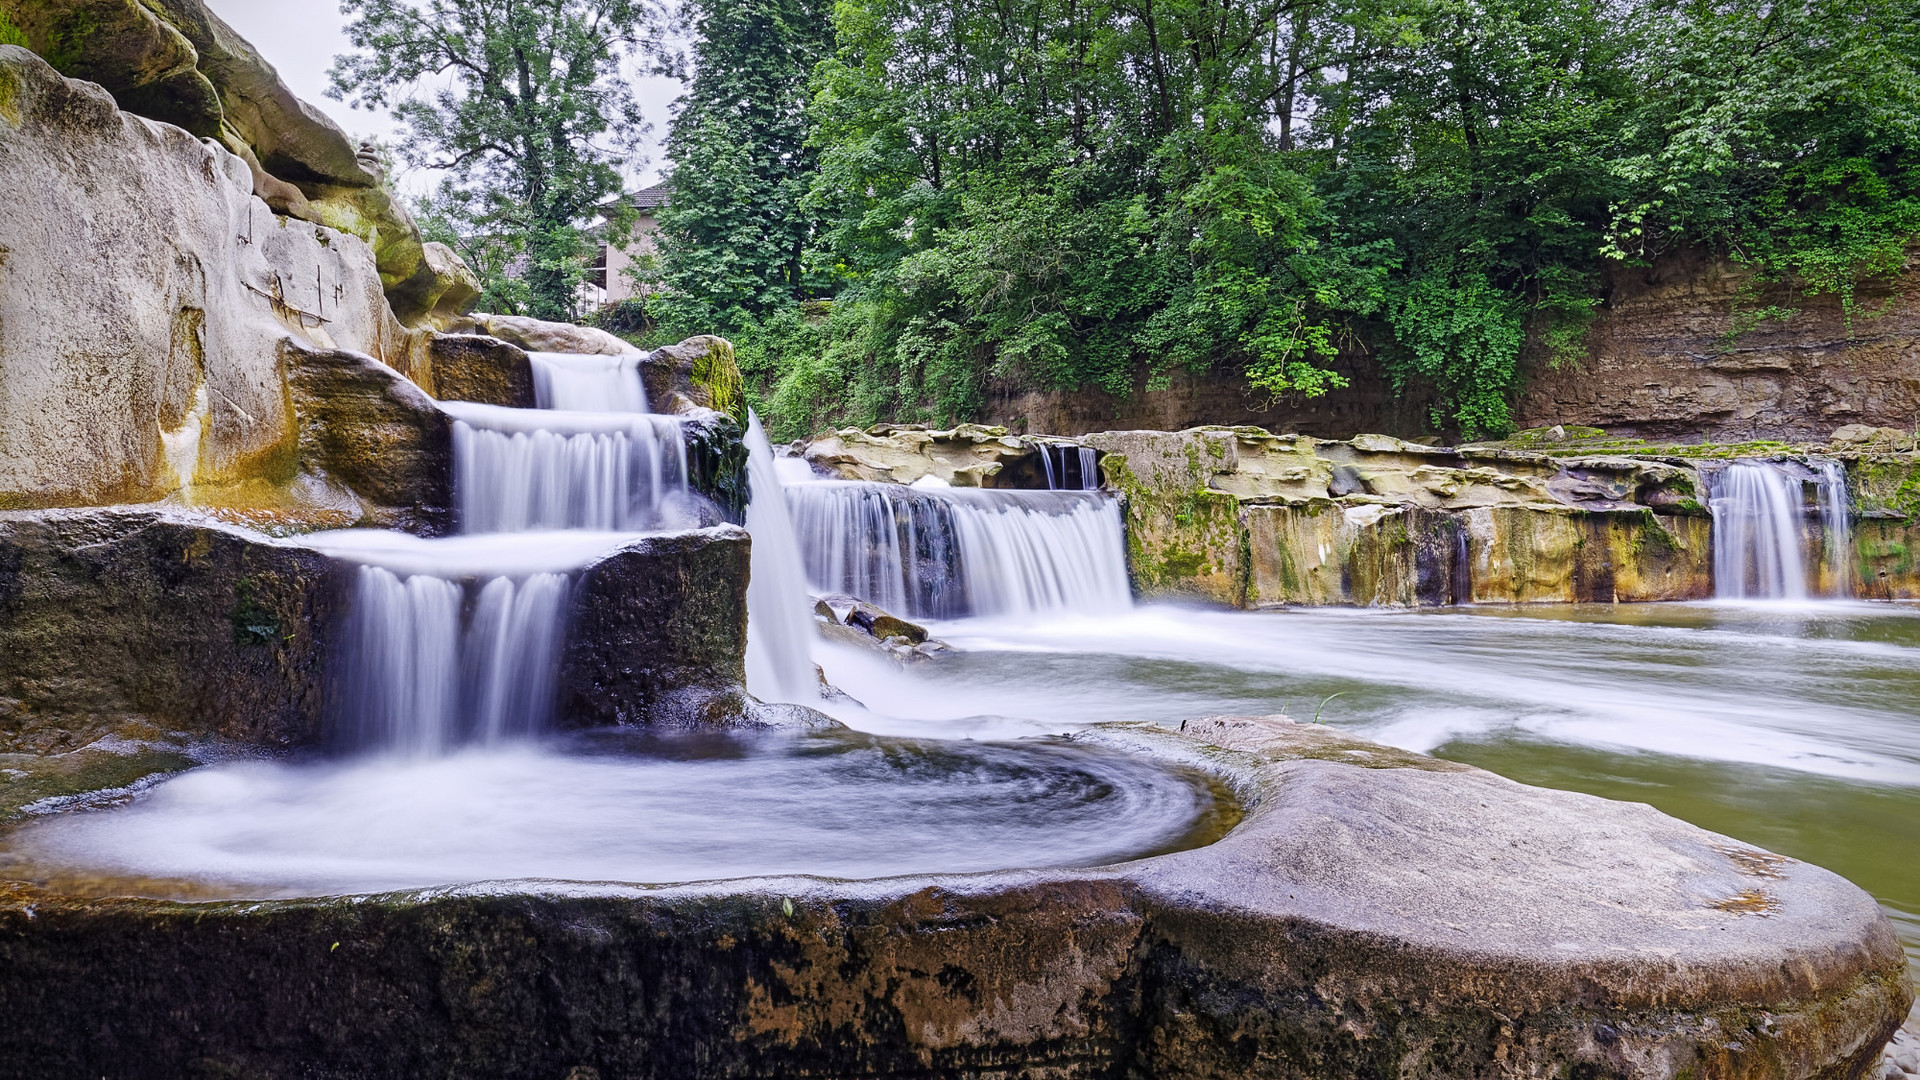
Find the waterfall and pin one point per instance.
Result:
(521, 469)
(579, 383)
(1836, 524)
(432, 663)
(1758, 512)
(1084, 475)
(779, 626)
(949, 552)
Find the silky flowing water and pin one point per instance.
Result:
(1792, 726)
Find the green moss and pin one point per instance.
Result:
(9, 109)
(253, 622)
(1887, 485)
(717, 371)
(67, 50)
(1646, 536)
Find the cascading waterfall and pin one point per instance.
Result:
(522, 469)
(1084, 473)
(576, 383)
(440, 656)
(950, 552)
(1836, 524)
(1760, 528)
(432, 663)
(779, 629)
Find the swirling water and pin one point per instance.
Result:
(617, 807)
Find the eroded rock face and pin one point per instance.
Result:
(474, 367)
(144, 625)
(1242, 517)
(177, 62)
(1665, 358)
(368, 428)
(1375, 913)
(538, 335)
(967, 456)
(144, 297)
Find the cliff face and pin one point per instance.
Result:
(1663, 362)
(1216, 397)
(1666, 360)
(144, 294)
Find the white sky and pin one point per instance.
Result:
(300, 38)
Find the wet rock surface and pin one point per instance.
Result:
(474, 367)
(364, 426)
(1375, 912)
(144, 624)
(852, 621)
(658, 634)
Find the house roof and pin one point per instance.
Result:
(649, 198)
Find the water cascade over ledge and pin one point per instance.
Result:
(1760, 529)
(779, 628)
(521, 469)
(572, 382)
(453, 641)
(1070, 468)
(945, 553)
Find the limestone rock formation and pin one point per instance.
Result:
(367, 428)
(475, 367)
(1672, 355)
(1375, 913)
(967, 456)
(539, 335)
(176, 62)
(144, 297)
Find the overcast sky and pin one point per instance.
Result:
(300, 38)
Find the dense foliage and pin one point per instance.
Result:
(520, 101)
(1072, 193)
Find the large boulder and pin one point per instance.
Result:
(1374, 913)
(370, 430)
(144, 296)
(698, 373)
(658, 634)
(177, 62)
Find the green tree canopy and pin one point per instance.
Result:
(522, 102)
(735, 235)
(1080, 193)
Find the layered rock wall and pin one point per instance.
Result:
(1679, 351)
(1242, 517)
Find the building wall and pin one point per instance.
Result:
(619, 285)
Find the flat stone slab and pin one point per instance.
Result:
(1376, 913)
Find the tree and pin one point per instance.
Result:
(531, 118)
(735, 234)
